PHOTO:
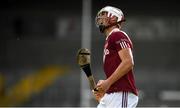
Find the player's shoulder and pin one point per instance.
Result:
(118, 35)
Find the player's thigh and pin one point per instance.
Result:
(132, 100)
(113, 100)
(118, 100)
(102, 103)
(121, 99)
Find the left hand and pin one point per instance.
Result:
(103, 85)
(98, 95)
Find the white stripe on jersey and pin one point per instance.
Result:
(121, 45)
(124, 45)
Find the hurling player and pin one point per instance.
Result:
(119, 89)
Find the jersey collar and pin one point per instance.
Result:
(113, 30)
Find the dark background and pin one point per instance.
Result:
(36, 34)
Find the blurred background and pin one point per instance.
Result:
(39, 40)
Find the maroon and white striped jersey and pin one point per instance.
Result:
(116, 41)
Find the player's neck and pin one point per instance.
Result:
(108, 31)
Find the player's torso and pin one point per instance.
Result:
(111, 61)
(110, 58)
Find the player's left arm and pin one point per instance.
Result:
(127, 64)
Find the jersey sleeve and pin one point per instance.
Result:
(120, 41)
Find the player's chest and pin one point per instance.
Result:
(109, 48)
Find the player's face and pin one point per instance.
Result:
(102, 19)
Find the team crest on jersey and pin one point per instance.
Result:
(106, 51)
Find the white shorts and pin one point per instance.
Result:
(118, 100)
